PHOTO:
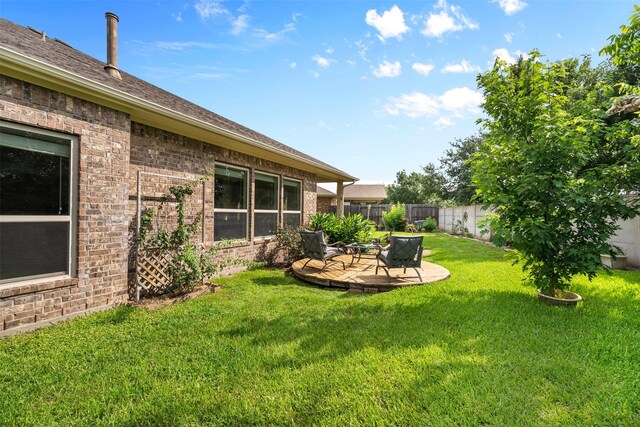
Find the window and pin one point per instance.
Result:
(230, 203)
(292, 202)
(36, 203)
(266, 205)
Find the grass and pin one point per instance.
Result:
(477, 349)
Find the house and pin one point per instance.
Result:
(83, 145)
(353, 194)
(364, 194)
(326, 199)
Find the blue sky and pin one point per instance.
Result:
(371, 87)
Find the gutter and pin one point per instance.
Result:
(28, 66)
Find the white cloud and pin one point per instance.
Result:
(314, 74)
(322, 61)
(443, 122)
(388, 69)
(415, 104)
(293, 65)
(558, 35)
(362, 50)
(449, 19)
(463, 67)
(329, 50)
(503, 54)
(179, 46)
(267, 36)
(511, 6)
(423, 69)
(460, 100)
(240, 24)
(442, 109)
(389, 24)
(178, 17)
(209, 76)
(508, 37)
(210, 8)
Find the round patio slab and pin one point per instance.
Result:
(361, 275)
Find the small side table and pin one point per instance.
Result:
(359, 250)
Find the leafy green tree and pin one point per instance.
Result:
(624, 48)
(554, 166)
(433, 182)
(416, 187)
(456, 165)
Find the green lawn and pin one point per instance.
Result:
(477, 349)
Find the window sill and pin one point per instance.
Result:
(8, 290)
(263, 239)
(228, 244)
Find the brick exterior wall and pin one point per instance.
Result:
(324, 204)
(103, 138)
(112, 150)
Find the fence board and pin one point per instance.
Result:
(415, 212)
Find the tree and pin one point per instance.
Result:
(554, 166)
(416, 187)
(624, 48)
(456, 165)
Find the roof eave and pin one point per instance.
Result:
(25, 68)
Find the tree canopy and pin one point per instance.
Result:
(448, 182)
(554, 165)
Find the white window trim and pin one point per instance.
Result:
(299, 212)
(72, 218)
(276, 211)
(228, 210)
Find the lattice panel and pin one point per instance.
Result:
(152, 277)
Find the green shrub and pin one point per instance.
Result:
(349, 229)
(288, 244)
(396, 218)
(326, 222)
(429, 224)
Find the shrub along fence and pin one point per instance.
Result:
(415, 212)
(464, 220)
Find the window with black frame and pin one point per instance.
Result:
(266, 205)
(292, 190)
(230, 213)
(36, 172)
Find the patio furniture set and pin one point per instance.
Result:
(402, 252)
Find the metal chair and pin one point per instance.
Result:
(314, 247)
(402, 252)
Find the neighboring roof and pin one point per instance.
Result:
(625, 104)
(323, 192)
(365, 192)
(31, 56)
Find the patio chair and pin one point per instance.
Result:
(402, 252)
(315, 247)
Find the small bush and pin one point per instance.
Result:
(396, 218)
(288, 246)
(349, 229)
(429, 224)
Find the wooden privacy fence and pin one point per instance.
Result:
(415, 212)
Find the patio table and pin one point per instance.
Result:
(358, 250)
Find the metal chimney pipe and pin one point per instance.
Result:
(112, 45)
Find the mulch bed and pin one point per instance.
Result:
(156, 302)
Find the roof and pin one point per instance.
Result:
(323, 192)
(365, 192)
(31, 56)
